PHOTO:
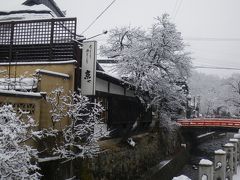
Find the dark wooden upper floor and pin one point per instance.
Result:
(37, 40)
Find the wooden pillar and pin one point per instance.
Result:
(205, 170)
(219, 165)
(229, 160)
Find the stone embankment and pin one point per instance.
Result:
(122, 161)
(212, 149)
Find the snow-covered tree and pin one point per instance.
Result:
(155, 62)
(80, 136)
(233, 96)
(207, 88)
(16, 158)
(57, 106)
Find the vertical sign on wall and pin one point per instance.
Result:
(88, 74)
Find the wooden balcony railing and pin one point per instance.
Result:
(37, 40)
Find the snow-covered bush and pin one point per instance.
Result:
(16, 158)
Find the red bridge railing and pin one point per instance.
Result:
(232, 123)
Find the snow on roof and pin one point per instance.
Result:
(18, 6)
(24, 16)
(18, 83)
(52, 73)
(39, 63)
(12, 92)
(220, 151)
(182, 177)
(121, 81)
(18, 11)
(237, 136)
(110, 69)
(205, 162)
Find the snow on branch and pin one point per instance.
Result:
(80, 136)
(154, 61)
(16, 158)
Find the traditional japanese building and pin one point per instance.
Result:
(40, 51)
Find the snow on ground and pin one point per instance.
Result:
(206, 134)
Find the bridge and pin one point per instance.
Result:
(225, 162)
(210, 123)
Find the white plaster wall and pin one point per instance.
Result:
(115, 89)
(101, 85)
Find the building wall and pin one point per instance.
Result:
(17, 70)
(29, 103)
(47, 83)
(101, 85)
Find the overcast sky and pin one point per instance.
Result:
(194, 18)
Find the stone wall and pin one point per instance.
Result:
(120, 161)
(125, 162)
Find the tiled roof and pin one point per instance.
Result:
(30, 9)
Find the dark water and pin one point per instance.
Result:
(205, 150)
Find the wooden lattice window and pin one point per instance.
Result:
(37, 40)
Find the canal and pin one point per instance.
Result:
(204, 150)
